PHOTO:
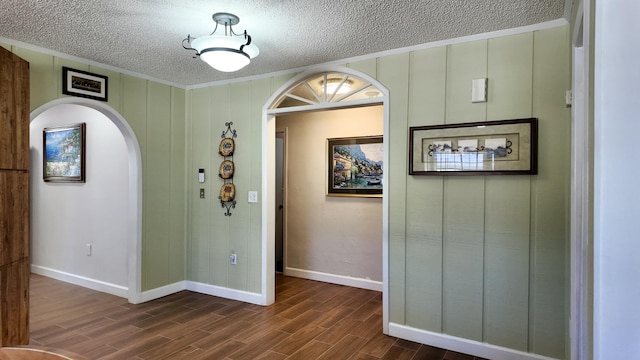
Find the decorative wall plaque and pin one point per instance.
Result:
(227, 168)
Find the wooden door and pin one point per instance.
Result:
(14, 199)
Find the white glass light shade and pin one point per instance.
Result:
(333, 84)
(223, 52)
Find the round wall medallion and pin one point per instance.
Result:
(227, 145)
(227, 192)
(226, 169)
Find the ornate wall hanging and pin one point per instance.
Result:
(227, 146)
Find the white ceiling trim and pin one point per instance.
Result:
(483, 36)
(475, 37)
(60, 55)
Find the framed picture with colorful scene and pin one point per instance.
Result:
(63, 153)
(354, 166)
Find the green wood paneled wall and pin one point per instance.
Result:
(214, 236)
(156, 113)
(483, 257)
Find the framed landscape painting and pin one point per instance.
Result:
(64, 153)
(354, 166)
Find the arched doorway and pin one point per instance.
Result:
(133, 224)
(319, 89)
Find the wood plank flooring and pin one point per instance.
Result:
(310, 320)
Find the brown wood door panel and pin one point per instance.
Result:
(14, 216)
(14, 200)
(14, 309)
(14, 110)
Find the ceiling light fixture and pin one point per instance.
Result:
(336, 86)
(229, 52)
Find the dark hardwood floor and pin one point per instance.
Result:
(310, 320)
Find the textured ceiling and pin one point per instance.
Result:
(145, 36)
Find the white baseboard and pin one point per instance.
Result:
(466, 346)
(334, 279)
(213, 290)
(117, 290)
(162, 291)
(227, 293)
(113, 289)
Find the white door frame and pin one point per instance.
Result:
(580, 170)
(268, 176)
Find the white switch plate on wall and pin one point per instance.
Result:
(479, 90)
(253, 196)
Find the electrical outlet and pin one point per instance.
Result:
(253, 197)
(233, 258)
(201, 193)
(88, 249)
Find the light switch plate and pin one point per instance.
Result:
(479, 90)
(253, 197)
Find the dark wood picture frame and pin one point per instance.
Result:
(64, 153)
(352, 171)
(84, 84)
(505, 147)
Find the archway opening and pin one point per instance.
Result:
(102, 120)
(321, 89)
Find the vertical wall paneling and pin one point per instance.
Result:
(506, 292)
(510, 73)
(220, 235)
(259, 93)
(43, 77)
(369, 67)
(428, 79)
(240, 114)
(394, 74)
(58, 63)
(463, 260)
(464, 199)
(465, 62)
(201, 157)
(424, 198)
(114, 87)
(507, 208)
(178, 187)
(134, 109)
(278, 81)
(482, 244)
(141, 103)
(157, 182)
(550, 194)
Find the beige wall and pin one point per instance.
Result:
(332, 235)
